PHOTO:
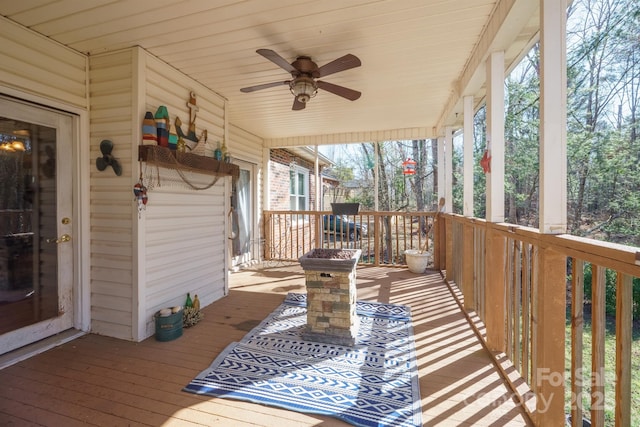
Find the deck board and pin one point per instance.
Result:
(96, 380)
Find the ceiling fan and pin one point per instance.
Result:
(304, 73)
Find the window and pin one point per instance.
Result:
(299, 190)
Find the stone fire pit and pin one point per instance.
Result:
(330, 277)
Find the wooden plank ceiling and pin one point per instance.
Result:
(417, 55)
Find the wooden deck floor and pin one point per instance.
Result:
(96, 380)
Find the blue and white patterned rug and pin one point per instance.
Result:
(374, 383)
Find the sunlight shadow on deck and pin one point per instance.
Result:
(459, 383)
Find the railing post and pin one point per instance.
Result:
(448, 258)
(549, 322)
(495, 289)
(376, 240)
(267, 235)
(439, 243)
(467, 266)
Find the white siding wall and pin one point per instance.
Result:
(131, 277)
(244, 145)
(193, 223)
(123, 86)
(112, 209)
(33, 64)
(186, 238)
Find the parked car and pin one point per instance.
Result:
(343, 225)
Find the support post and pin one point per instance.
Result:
(553, 117)
(318, 202)
(467, 266)
(467, 204)
(549, 323)
(495, 136)
(495, 267)
(441, 169)
(448, 169)
(448, 257)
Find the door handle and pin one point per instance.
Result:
(61, 239)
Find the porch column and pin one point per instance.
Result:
(318, 190)
(495, 137)
(553, 117)
(467, 204)
(448, 169)
(375, 177)
(441, 168)
(439, 257)
(551, 292)
(448, 203)
(495, 244)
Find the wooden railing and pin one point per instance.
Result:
(520, 288)
(516, 285)
(382, 236)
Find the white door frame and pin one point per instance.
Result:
(254, 237)
(78, 163)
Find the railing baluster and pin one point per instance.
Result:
(526, 312)
(598, 325)
(577, 322)
(624, 326)
(517, 303)
(509, 298)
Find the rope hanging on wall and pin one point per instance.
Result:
(180, 164)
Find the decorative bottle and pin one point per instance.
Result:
(225, 153)
(188, 303)
(217, 153)
(196, 303)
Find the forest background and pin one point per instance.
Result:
(603, 141)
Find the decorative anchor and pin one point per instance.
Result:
(106, 147)
(189, 140)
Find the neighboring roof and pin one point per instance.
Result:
(309, 154)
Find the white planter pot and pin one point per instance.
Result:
(417, 261)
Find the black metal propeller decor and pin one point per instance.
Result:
(106, 147)
(304, 72)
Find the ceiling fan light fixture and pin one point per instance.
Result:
(303, 88)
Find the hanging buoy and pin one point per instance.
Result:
(409, 167)
(137, 190)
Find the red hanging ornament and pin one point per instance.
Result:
(409, 167)
(485, 162)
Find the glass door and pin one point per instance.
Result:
(36, 245)
(244, 246)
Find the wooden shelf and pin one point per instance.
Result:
(164, 157)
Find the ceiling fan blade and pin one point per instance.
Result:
(342, 91)
(297, 105)
(343, 63)
(263, 86)
(276, 59)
